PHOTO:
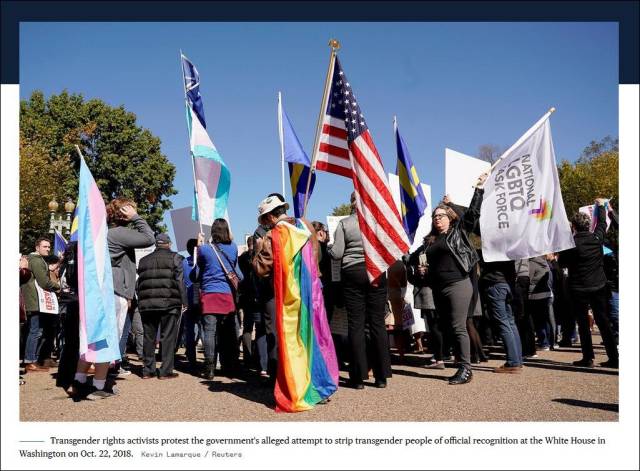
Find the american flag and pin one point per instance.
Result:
(346, 148)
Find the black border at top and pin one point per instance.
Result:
(625, 13)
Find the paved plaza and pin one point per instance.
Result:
(548, 389)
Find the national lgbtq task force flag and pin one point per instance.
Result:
(522, 214)
(99, 342)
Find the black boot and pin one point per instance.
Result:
(462, 376)
(209, 370)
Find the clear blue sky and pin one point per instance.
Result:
(456, 85)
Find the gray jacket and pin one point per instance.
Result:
(522, 267)
(122, 244)
(347, 242)
(423, 298)
(539, 279)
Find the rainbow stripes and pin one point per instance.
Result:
(307, 365)
(543, 212)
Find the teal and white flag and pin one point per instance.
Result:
(212, 178)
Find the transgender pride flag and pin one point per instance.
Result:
(98, 330)
(211, 176)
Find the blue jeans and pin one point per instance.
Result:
(125, 336)
(35, 337)
(499, 304)
(220, 336)
(544, 319)
(192, 331)
(614, 311)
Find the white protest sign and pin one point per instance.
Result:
(185, 228)
(589, 211)
(424, 225)
(461, 174)
(47, 300)
(143, 253)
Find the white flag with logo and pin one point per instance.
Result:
(522, 212)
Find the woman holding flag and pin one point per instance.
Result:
(450, 257)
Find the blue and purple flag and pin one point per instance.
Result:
(299, 163)
(59, 244)
(412, 200)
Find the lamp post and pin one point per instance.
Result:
(62, 221)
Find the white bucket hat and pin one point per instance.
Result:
(269, 204)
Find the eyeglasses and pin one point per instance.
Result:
(439, 216)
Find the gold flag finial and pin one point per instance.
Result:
(335, 44)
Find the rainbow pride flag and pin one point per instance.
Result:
(307, 365)
(98, 331)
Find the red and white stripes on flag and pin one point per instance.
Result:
(383, 235)
(346, 148)
(333, 150)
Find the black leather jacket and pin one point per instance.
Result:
(457, 239)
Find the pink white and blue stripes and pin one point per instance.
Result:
(98, 331)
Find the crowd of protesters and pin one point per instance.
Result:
(222, 303)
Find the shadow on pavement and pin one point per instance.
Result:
(555, 365)
(398, 372)
(589, 404)
(252, 391)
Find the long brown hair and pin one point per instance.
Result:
(220, 233)
(114, 216)
(451, 214)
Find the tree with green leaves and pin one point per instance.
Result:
(593, 175)
(124, 158)
(342, 210)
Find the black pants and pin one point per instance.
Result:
(452, 303)
(272, 344)
(522, 314)
(168, 323)
(435, 332)
(365, 307)
(71, 348)
(598, 301)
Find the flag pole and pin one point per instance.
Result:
(281, 135)
(193, 165)
(334, 44)
(524, 137)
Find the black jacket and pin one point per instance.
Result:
(457, 240)
(586, 261)
(160, 284)
(492, 273)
